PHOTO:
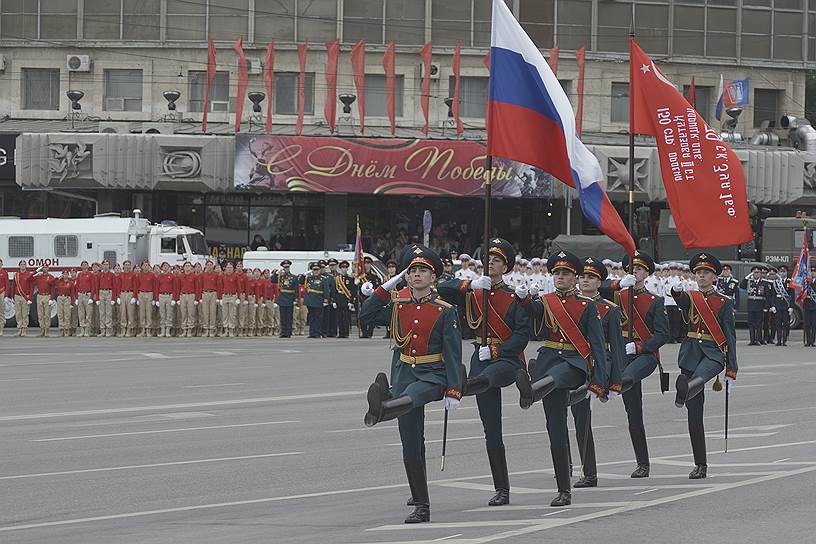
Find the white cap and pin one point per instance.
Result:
(535, 260)
(478, 262)
(464, 257)
(518, 257)
(607, 262)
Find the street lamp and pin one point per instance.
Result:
(75, 96)
(256, 97)
(171, 97)
(347, 100)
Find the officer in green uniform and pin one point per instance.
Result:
(650, 330)
(344, 297)
(495, 364)
(573, 345)
(589, 282)
(447, 271)
(709, 348)
(317, 297)
(329, 329)
(288, 287)
(367, 329)
(426, 363)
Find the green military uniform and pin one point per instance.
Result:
(344, 297)
(287, 288)
(367, 329)
(317, 297)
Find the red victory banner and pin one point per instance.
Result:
(704, 180)
(379, 166)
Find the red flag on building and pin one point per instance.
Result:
(358, 67)
(243, 78)
(553, 60)
(704, 180)
(269, 83)
(390, 77)
(210, 78)
(425, 89)
(332, 57)
(692, 94)
(302, 48)
(456, 105)
(487, 60)
(580, 59)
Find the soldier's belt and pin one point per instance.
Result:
(626, 334)
(756, 298)
(316, 291)
(700, 336)
(562, 346)
(494, 341)
(422, 359)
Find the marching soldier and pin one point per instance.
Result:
(768, 320)
(127, 301)
(372, 278)
(426, 363)
(65, 289)
(709, 348)
(757, 291)
(573, 346)
(345, 297)
(74, 311)
(44, 282)
(650, 330)
(785, 321)
(106, 295)
(168, 296)
(494, 365)
(809, 310)
(316, 299)
(273, 313)
(288, 288)
(85, 289)
(5, 291)
(330, 312)
(589, 283)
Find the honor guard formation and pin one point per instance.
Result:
(601, 330)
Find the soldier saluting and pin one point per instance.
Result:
(758, 303)
(709, 348)
(573, 345)
(494, 365)
(426, 362)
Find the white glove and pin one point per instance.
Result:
(631, 349)
(482, 282)
(484, 353)
(677, 288)
(220, 302)
(390, 284)
(195, 303)
(274, 305)
(451, 404)
(534, 290)
(729, 383)
(351, 307)
(132, 301)
(521, 291)
(113, 303)
(591, 395)
(254, 305)
(773, 309)
(334, 305)
(246, 302)
(325, 304)
(790, 312)
(90, 301)
(367, 289)
(627, 281)
(237, 302)
(28, 302)
(156, 303)
(76, 302)
(119, 300)
(51, 302)
(172, 303)
(612, 394)
(8, 300)
(98, 302)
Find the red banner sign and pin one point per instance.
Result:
(379, 166)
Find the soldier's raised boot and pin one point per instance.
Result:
(578, 395)
(381, 407)
(501, 479)
(687, 389)
(530, 393)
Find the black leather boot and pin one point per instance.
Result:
(699, 472)
(382, 408)
(587, 481)
(417, 481)
(564, 498)
(626, 384)
(501, 479)
(475, 385)
(382, 380)
(577, 395)
(681, 386)
(411, 501)
(642, 471)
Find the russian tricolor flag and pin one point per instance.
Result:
(530, 120)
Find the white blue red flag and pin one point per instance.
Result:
(799, 278)
(731, 94)
(530, 120)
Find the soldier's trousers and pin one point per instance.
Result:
(638, 369)
(555, 410)
(412, 424)
(286, 315)
(707, 370)
(166, 309)
(768, 329)
(343, 320)
(500, 373)
(315, 321)
(755, 320)
(330, 317)
(84, 310)
(230, 312)
(105, 310)
(187, 309)
(44, 311)
(251, 312)
(781, 323)
(582, 414)
(146, 311)
(676, 326)
(241, 313)
(127, 313)
(810, 326)
(64, 303)
(209, 310)
(301, 318)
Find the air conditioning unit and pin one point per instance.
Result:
(219, 106)
(434, 70)
(158, 128)
(107, 127)
(78, 63)
(254, 65)
(2, 63)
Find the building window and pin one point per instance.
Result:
(21, 247)
(186, 20)
(317, 20)
(376, 95)
(721, 34)
(450, 23)
(102, 19)
(229, 19)
(787, 43)
(756, 33)
(482, 15)
(473, 96)
(689, 31)
(613, 26)
(228, 225)
(566, 86)
(536, 16)
(65, 246)
(766, 106)
(287, 94)
(219, 92)
(41, 88)
(702, 100)
(619, 112)
(363, 19)
(653, 28)
(123, 90)
(142, 20)
(574, 24)
(405, 21)
(19, 20)
(274, 19)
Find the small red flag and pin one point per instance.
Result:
(580, 59)
(388, 65)
(243, 78)
(358, 67)
(455, 107)
(302, 48)
(332, 57)
(553, 60)
(210, 78)
(692, 94)
(425, 91)
(269, 83)
(704, 180)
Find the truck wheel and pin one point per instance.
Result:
(8, 314)
(796, 318)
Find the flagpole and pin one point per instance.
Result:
(631, 177)
(486, 243)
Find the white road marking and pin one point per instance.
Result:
(764, 412)
(481, 437)
(214, 385)
(18, 380)
(522, 507)
(531, 491)
(232, 402)
(428, 422)
(161, 431)
(467, 524)
(152, 355)
(150, 465)
(646, 491)
(446, 537)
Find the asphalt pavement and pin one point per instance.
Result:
(133, 440)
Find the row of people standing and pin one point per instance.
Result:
(590, 352)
